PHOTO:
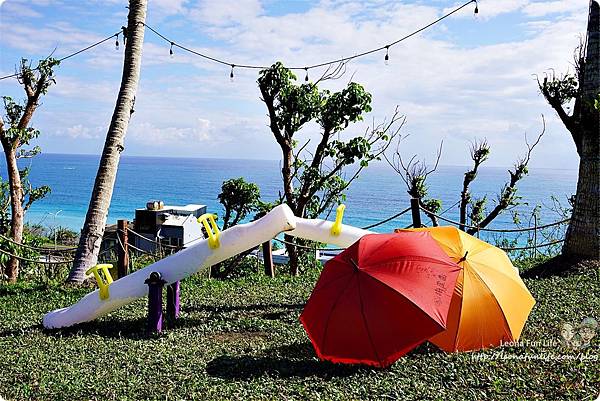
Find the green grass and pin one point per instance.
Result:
(241, 339)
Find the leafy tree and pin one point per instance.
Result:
(239, 198)
(582, 92)
(15, 135)
(314, 180)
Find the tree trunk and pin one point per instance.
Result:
(16, 207)
(95, 219)
(583, 235)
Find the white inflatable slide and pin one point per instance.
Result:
(202, 254)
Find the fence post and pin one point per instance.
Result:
(416, 212)
(267, 250)
(122, 249)
(535, 224)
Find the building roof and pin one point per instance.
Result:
(175, 220)
(176, 209)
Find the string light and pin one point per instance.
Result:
(231, 73)
(386, 60)
(322, 64)
(248, 66)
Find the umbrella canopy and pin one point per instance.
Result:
(380, 298)
(490, 303)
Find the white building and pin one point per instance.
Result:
(169, 225)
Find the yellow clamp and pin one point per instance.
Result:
(336, 229)
(103, 282)
(212, 230)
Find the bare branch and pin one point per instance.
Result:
(507, 199)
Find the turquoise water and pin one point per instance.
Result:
(379, 192)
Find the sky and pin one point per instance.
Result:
(467, 78)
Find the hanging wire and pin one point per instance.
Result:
(252, 66)
(70, 55)
(322, 64)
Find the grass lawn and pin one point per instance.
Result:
(241, 339)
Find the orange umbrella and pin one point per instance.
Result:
(490, 304)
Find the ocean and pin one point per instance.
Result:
(376, 195)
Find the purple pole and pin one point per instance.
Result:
(155, 314)
(173, 301)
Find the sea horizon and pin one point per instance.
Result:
(378, 193)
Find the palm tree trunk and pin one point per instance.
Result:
(95, 219)
(583, 234)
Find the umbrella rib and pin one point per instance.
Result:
(331, 312)
(362, 312)
(460, 309)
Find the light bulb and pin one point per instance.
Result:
(117, 43)
(386, 60)
(306, 77)
(171, 54)
(231, 73)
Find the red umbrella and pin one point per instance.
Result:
(380, 298)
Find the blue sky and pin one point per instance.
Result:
(464, 79)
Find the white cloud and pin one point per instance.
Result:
(543, 8)
(154, 136)
(222, 13)
(18, 9)
(447, 91)
(80, 131)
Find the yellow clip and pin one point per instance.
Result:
(212, 230)
(103, 283)
(336, 229)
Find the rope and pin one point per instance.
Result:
(35, 261)
(522, 248)
(386, 220)
(308, 247)
(495, 230)
(69, 55)
(135, 248)
(150, 240)
(43, 249)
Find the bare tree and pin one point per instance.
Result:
(414, 173)
(508, 195)
(95, 219)
(479, 151)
